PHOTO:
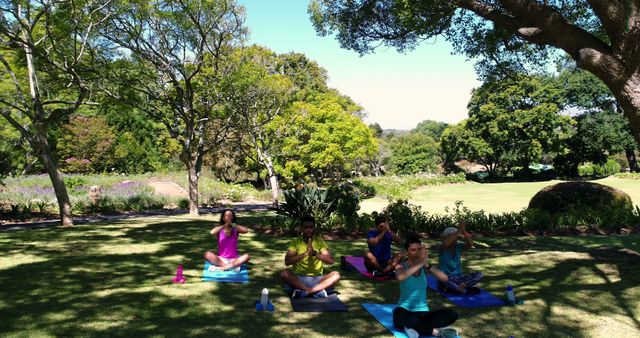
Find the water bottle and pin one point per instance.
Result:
(264, 299)
(511, 297)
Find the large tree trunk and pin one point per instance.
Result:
(194, 178)
(629, 98)
(193, 191)
(631, 159)
(64, 204)
(41, 148)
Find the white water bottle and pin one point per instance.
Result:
(264, 299)
(510, 295)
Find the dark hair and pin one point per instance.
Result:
(411, 239)
(380, 219)
(308, 219)
(233, 216)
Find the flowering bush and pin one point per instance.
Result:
(76, 165)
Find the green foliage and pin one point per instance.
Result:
(282, 223)
(183, 203)
(347, 203)
(87, 145)
(74, 181)
(596, 135)
(628, 176)
(404, 217)
(334, 207)
(581, 195)
(511, 123)
(306, 201)
(579, 218)
(414, 153)
(399, 187)
(609, 168)
(430, 128)
(324, 138)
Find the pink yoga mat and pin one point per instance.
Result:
(358, 264)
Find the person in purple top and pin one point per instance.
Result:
(378, 260)
(227, 233)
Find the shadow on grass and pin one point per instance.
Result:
(113, 279)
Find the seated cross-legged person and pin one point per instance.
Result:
(227, 233)
(307, 254)
(378, 260)
(413, 314)
(450, 258)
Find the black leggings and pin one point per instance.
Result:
(423, 321)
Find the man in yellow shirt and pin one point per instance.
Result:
(308, 254)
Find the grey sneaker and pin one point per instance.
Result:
(321, 294)
(411, 333)
(447, 332)
(297, 293)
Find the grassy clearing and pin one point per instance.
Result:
(490, 197)
(113, 279)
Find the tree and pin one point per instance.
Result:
(257, 92)
(511, 123)
(326, 138)
(597, 134)
(177, 48)
(414, 153)
(600, 36)
(431, 128)
(90, 139)
(598, 130)
(48, 50)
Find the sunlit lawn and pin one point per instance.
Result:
(490, 197)
(113, 279)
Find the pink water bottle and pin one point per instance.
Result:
(179, 278)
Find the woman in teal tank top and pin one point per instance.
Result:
(412, 313)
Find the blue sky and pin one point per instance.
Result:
(397, 90)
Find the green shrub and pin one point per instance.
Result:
(364, 189)
(405, 217)
(399, 187)
(103, 204)
(71, 182)
(611, 167)
(563, 196)
(183, 203)
(628, 176)
(282, 223)
(347, 203)
(308, 202)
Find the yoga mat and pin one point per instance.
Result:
(313, 304)
(225, 276)
(383, 313)
(358, 263)
(482, 299)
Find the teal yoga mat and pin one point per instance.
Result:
(225, 276)
(383, 313)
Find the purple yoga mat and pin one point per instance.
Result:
(358, 263)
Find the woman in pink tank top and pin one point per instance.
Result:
(227, 233)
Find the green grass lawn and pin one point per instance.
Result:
(490, 197)
(113, 279)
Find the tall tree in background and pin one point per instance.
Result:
(178, 47)
(47, 51)
(256, 93)
(511, 123)
(327, 138)
(601, 36)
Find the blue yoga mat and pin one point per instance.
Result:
(384, 314)
(225, 276)
(482, 299)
